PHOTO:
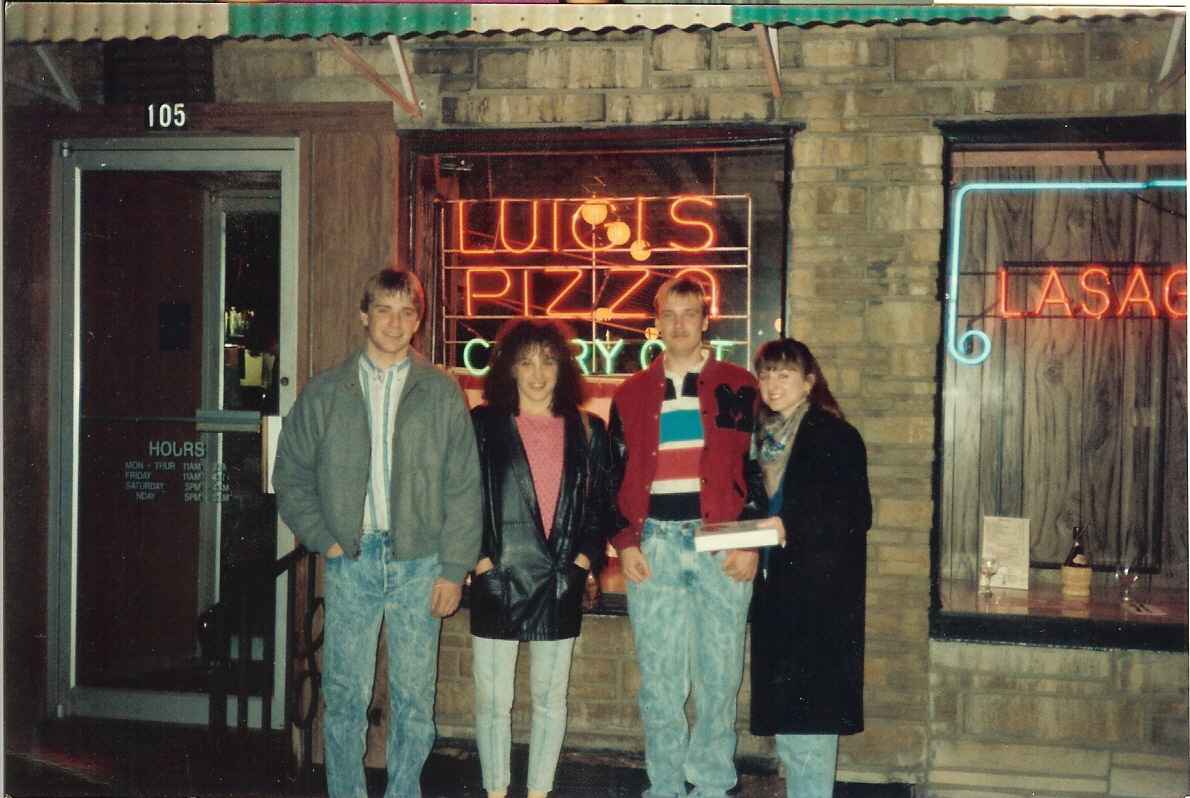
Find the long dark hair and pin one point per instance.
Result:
(514, 338)
(791, 353)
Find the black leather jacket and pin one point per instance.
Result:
(535, 590)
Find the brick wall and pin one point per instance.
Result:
(866, 220)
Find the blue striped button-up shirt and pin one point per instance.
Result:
(382, 394)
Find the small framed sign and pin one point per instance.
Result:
(1006, 539)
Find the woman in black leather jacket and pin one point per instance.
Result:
(544, 466)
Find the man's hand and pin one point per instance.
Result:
(740, 564)
(445, 597)
(334, 551)
(484, 565)
(634, 565)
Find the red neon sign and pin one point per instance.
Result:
(1138, 291)
(594, 225)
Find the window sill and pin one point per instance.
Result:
(1043, 616)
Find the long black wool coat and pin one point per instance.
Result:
(808, 622)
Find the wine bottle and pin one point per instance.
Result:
(1077, 558)
(1076, 570)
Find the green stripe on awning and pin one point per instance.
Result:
(347, 19)
(832, 15)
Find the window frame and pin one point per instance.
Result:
(1150, 132)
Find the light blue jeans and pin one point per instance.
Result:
(494, 669)
(688, 623)
(359, 593)
(809, 761)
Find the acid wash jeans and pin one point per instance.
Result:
(688, 623)
(809, 762)
(359, 593)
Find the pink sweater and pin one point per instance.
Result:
(543, 438)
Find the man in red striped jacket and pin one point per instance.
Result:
(681, 431)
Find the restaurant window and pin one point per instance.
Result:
(1064, 378)
(584, 227)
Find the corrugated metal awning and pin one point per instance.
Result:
(55, 22)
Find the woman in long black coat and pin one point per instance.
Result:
(808, 626)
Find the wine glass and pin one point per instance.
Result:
(1126, 576)
(988, 567)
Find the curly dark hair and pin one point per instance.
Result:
(791, 353)
(515, 338)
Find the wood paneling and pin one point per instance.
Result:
(1070, 421)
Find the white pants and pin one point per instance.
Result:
(494, 669)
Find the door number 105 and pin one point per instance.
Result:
(160, 116)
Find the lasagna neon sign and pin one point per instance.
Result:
(1137, 292)
(595, 262)
(972, 347)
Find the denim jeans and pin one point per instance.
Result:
(359, 593)
(494, 669)
(688, 622)
(809, 762)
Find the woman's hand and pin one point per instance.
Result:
(484, 565)
(334, 551)
(582, 561)
(777, 522)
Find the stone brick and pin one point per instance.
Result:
(897, 429)
(907, 149)
(908, 100)
(742, 79)
(1058, 98)
(907, 207)
(841, 199)
(678, 50)
(744, 55)
(1146, 783)
(943, 58)
(585, 68)
(592, 677)
(1148, 671)
(661, 107)
(522, 109)
(321, 90)
(902, 321)
(739, 107)
(827, 329)
(1133, 54)
(442, 61)
(904, 512)
(1059, 719)
(812, 105)
(1026, 784)
(885, 743)
(840, 52)
(812, 150)
(1070, 663)
(503, 69)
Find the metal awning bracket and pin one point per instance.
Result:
(766, 40)
(394, 44)
(348, 54)
(1168, 74)
(65, 94)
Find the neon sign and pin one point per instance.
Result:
(974, 346)
(1089, 291)
(596, 263)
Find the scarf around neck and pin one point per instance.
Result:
(774, 441)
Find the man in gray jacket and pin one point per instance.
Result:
(377, 470)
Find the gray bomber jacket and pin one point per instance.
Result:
(323, 457)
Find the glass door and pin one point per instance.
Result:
(175, 338)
